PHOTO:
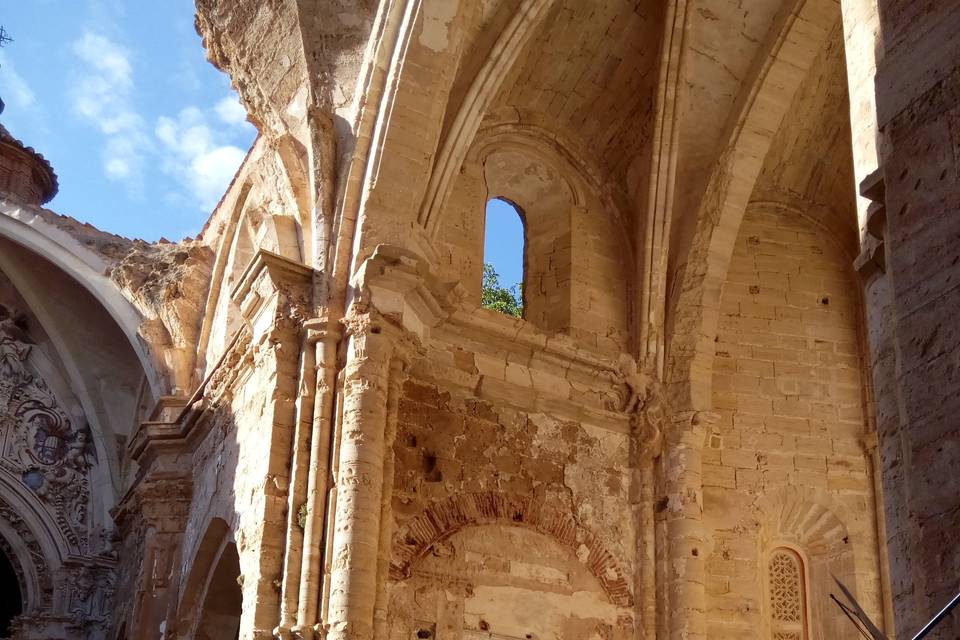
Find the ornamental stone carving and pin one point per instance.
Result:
(41, 443)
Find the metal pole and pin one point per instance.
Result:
(927, 628)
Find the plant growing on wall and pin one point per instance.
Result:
(498, 298)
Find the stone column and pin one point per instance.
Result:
(682, 504)
(374, 344)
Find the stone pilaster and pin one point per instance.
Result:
(151, 519)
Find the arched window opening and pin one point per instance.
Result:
(223, 603)
(788, 607)
(503, 258)
(11, 604)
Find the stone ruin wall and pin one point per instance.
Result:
(790, 461)
(515, 483)
(501, 511)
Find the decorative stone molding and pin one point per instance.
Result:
(398, 284)
(806, 517)
(270, 275)
(483, 90)
(42, 443)
(446, 517)
(646, 405)
(872, 258)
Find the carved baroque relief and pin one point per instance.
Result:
(40, 443)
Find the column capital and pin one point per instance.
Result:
(378, 330)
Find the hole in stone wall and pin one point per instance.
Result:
(430, 471)
(825, 300)
(504, 261)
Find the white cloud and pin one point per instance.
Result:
(196, 157)
(102, 94)
(192, 148)
(13, 87)
(231, 111)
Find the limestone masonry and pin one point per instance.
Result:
(736, 378)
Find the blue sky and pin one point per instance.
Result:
(143, 132)
(503, 242)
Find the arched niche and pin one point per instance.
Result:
(444, 518)
(577, 247)
(503, 581)
(546, 201)
(30, 540)
(222, 605)
(816, 527)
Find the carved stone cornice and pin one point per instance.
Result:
(268, 276)
(156, 499)
(398, 284)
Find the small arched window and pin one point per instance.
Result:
(788, 606)
(503, 258)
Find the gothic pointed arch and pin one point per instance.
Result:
(793, 43)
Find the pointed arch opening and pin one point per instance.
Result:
(504, 258)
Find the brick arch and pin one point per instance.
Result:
(444, 518)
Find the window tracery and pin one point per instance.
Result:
(786, 593)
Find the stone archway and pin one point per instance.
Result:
(211, 600)
(444, 518)
(223, 602)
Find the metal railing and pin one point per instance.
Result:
(935, 620)
(868, 630)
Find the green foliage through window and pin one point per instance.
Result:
(498, 298)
